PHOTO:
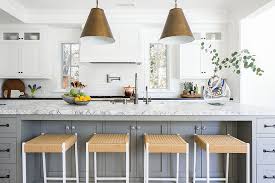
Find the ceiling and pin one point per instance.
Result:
(139, 4)
(6, 18)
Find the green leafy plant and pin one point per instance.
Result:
(33, 89)
(236, 60)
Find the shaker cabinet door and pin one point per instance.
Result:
(186, 130)
(158, 163)
(54, 160)
(115, 162)
(217, 161)
(30, 59)
(84, 131)
(9, 59)
(190, 60)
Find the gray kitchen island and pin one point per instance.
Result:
(22, 120)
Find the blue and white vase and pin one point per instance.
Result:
(216, 92)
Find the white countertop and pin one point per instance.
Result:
(175, 108)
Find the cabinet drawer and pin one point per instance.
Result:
(266, 125)
(7, 125)
(266, 151)
(7, 150)
(265, 173)
(8, 173)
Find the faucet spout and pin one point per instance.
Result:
(136, 89)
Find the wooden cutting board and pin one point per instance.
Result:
(12, 84)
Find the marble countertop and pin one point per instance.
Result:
(176, 108)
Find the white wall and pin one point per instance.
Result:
(258, 36)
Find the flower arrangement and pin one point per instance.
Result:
(34, 88)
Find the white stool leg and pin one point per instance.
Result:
(76, 162)
(147, 163)
(24, 168)
(187, 163)
(87, 163)
(227, 168)
(127, 163)
(248, 164)
(95, 168)
(64, 163)
(144, 164)
(207, 164)
(178, 164)
(44, 167)
(194, 162)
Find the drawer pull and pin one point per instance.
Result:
(4, 150)
(6, 125)
(266, 177)
(5, 177)
(268, 151)
(269, 126)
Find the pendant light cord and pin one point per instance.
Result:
(96, 3)
(176, 3)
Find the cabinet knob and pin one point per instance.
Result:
(197, 128)
(67, 127)
(204, 128)
(73, 127)
(133, 127)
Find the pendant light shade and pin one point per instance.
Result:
(97, 29)
(176, 30)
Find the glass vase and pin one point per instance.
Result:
(216, 92)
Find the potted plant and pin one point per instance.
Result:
(34, 89)
(217, 91)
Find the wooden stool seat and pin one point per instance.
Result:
(50, 143)
(221, 144)
(108, 143)
(165, 144)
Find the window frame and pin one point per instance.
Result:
(149, 37)
(62, 62)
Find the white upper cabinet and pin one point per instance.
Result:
(23, 53)
(194, 62)
(9, 60)
(190, 60)
(125, 49)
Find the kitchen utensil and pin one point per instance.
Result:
(16, 94)
(12, 84)
(129, 91)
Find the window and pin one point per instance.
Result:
(158, 66)
(70, 63)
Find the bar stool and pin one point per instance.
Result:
(107, 143)
(165, 144)
(50, 143)
(224, 144)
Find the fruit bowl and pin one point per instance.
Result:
(68, 99)
(82, 102)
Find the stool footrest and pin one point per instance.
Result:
(211, 179)
(162, 179)
(60, 178)
(111, 178)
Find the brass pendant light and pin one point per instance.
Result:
(97, 29)
(176, 30)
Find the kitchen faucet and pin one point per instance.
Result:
(136, 90)
(147, 99)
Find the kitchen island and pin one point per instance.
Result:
(23, 120)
